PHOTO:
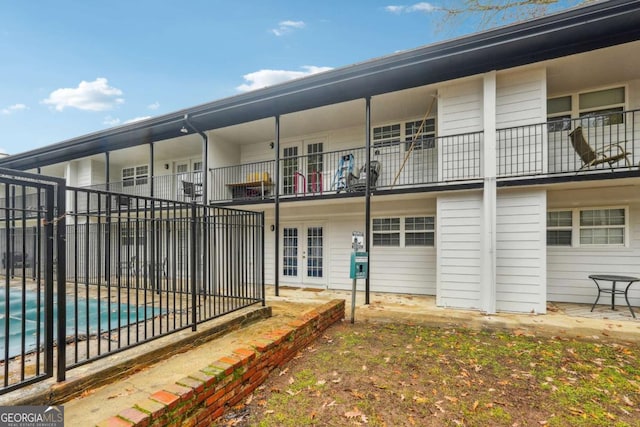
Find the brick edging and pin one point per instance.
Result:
(203, 396)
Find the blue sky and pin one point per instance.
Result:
(70, 68)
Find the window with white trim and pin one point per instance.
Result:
(415, 231)
(559, 228)
(559, 113)
(591, 227)
(419, 231)
(132, 234)
(386, 232)
(424, 133)
(135, 175)
(596, 108)
(389, 135)
(602, 227)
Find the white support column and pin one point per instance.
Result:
(488, 230)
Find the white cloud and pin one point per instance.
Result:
(417, 7)
(92, 96)
(13, 108)
(285, 27)
(111, 121)
(264, 78)
(154, 106)
(136, 119)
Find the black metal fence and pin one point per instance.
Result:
(28, 232)
(129, 269)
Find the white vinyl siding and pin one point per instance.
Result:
(460, 111)
(458, 235)
(568, 268)
(521, 251)
(520, 101)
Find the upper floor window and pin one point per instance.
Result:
(595, 108)
(604, 106)
(386, 135)
(423, 132)
(136, 175)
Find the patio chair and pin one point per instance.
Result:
(610, 154)
(190, 190)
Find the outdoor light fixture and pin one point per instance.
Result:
(271, 145)
(184, 129)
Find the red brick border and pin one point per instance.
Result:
(204, 395)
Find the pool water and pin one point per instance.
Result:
(125, 313)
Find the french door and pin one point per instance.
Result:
(303, 167)
(303, 254)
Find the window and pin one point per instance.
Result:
(386, 135)
(596, 108)
(603, 107)
(426, 137)
(404, 232)
(592, 227)
(419, 231)
(602, 227)
(132, 233)
(559, 113)
(137, 175)
(559, 228)
(386, 232)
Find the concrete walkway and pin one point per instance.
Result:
(603, 324)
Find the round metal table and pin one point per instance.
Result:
(613, 278)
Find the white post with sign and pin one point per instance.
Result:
(359, 266)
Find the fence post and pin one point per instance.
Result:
(61, 249)
(192, 266)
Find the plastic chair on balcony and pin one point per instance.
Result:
(191, 190)
(610, 154)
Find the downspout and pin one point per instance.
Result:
(367, 202)
(277, 207)
(205, 159)
(205, 197)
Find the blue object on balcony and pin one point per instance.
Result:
(344, 173)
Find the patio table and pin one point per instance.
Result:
(613, 278)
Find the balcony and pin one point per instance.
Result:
(169, 187)
(538, 150)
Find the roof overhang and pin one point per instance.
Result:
(574, 31)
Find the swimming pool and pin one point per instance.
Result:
(97, 314)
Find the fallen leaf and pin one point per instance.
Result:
(269, 411)
(284, 371)
(353, 414)
(475, 405)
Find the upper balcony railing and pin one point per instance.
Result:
(602, 142)
(169, 187)
(394, 164)
(593, 142)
